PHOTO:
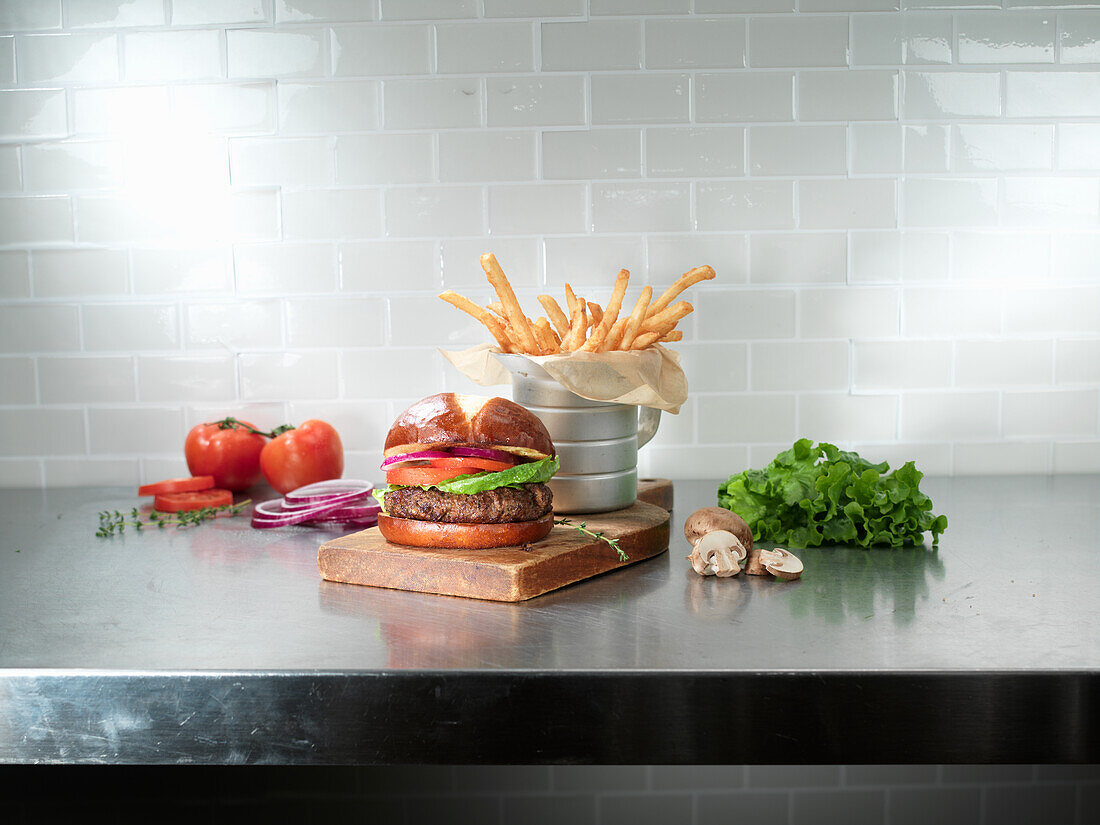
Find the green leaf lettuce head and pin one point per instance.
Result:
(533, 472)
(809, 496)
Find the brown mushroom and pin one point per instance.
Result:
(707, 519)
(781, 564)
(718, 553)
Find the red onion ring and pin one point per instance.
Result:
(481, 452)
(393, 460)
(323, 491)
(264, 514)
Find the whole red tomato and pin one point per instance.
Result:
(309, 453)
(227, 450)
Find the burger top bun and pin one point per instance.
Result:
(449, 419)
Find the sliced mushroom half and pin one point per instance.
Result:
(718, 553)
(781, 564)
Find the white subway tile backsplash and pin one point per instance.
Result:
(279, 269)
(114, 13)
(332, 214)
(385, 158)
(39, 432)
(591, 45)
(31, 114)
(702, 43)
(1054, 412)
(1052, 94)
(926, 148)
(122, 111)
(797, 150)
(639, 6)
(747, 314)
(11, 177)
(546, 209)
(74, 273)
(225, 107)
(747, 418)
(1076, 457)
(963, 416)
(17, 381)
(391, 373)
(335, 322)
(695, 151)
(19, 15)
(428, 9)
(1078, 146)
(273, 53)
(81, 58)
(949, 202)
(243, 216)
(454, 330)
(805, 40)
(534, 8)
(207, 12)
(281, 161)
(427, 211)
(371, 266)
(737, 98)
(900, 365)
(186, 378)
(907, 39)
(1053, 202)
(15, 277)
(440, 103)
(487, 156)
(633, 207)
(593, 153)
(1048, 311)
(590, 260)
(671, 255)
(518, 257)
(21, 472)
(91, 472)
(370, 51)
(862, 203)
(1018, 37)
(1002, 147)
(1080, 37)
(1002, 363)
(1077, 361)
(950, 95)
(172, 55)
(470, 48)
(135, 431)
(232, 327)
(714, 368)
(127, 327)
(321, 108)
(640, 98)
(799, 365)
(950, 312)
(309, 11)
(845, 417)
(36, 220)
(7, 59)
(740, 205)
(852, 95)
(69, 165)
(876, 148)
(68, 380)
(546, 100)
(1001, 458)
(852, 312)
(805, 258)
(1000, 257)
(1075, 256)
(288, 375)
(39, 328)
(194, 269)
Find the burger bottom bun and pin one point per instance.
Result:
(450, 535)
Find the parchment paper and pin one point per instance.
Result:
(648, 378)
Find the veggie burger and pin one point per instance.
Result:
(465, 471)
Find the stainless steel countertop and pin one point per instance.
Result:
(1011, 595)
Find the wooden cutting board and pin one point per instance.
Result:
(505, 574)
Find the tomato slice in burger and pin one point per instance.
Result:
(177, 485)
(471, 464)
(424, 476)
(178, 502)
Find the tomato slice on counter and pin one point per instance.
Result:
(196, 500)
(471, 463)
(177, 485)
(415, 476)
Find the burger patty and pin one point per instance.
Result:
(504, 504)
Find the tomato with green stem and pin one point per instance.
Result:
(229, 450)
(302, 455)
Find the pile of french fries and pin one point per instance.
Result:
(587, 327)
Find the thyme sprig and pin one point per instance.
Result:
(116, 521)
(583, 527)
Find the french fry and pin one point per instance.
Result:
(645, 339)
(694, 276)
(611, 314)
(595, 313)
(570, 301)
(636, 317)
(578, 325)
(512, 308)
(497, 308)
(495, 327)
(558, 318)
(675, 335)
(545, 336)
(664, 321)
(614, 338)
